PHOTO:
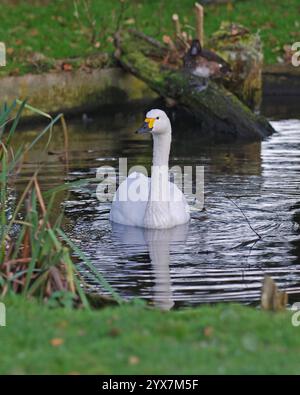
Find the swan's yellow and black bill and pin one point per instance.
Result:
(147, 126)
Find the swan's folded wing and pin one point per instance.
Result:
(179, 207)
(130, 200)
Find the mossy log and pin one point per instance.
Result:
(216, 110)
(243, 51)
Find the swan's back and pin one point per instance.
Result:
(127, 209)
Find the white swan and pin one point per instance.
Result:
(152, 202)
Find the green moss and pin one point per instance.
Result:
(243, 51)
(224, 339)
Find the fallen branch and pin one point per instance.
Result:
(244, 215)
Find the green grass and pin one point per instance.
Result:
(52, 29)
(131, 340)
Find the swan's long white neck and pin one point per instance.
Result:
(161, 148)
(157, 213)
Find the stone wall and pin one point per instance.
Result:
(75, 91)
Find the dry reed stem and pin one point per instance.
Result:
(199, 10)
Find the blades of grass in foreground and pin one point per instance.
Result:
(89, 264)
(15, 123)
(72, 269)
(4, 116)
(33, 109)
(43, 132)
(34, 258)
(3, 180)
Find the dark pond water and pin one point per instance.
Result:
(217, 256)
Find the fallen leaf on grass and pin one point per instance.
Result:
(208, 331)
(269, 25)
(114, 332)
(61, 20)
(62, 324)
(34, 32)
(133, 360)
(66, 67)
(130, 21)
(56, 342)
(112, 319)
(14, 72)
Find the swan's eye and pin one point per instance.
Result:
(157, 117)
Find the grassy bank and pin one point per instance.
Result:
(58, 29)
(130, 339)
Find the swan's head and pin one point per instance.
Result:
(156, 122)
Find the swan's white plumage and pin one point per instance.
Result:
(130, 212)
(147, 212)
(160, 215)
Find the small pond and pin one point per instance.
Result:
(217, 257)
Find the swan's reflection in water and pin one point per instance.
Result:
(160, 243)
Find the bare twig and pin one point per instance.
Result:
(170, 43)
(16, 261)
(244, 215)
(146, 38)
(175, 19)
(41, 200)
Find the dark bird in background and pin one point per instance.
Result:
(204, 64)
(86, 120)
